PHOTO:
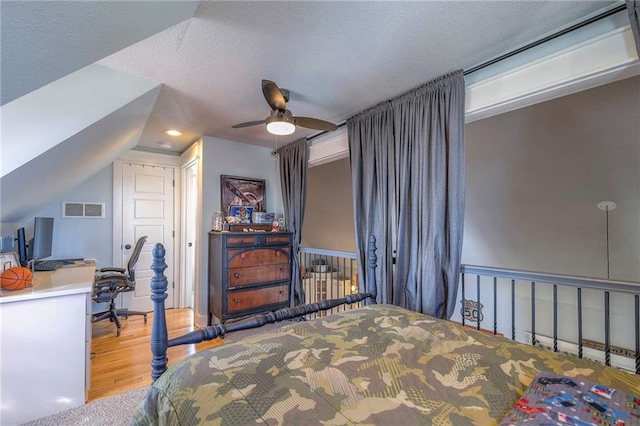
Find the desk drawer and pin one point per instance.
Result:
(239, 277)
(242, 300)
(242, 259)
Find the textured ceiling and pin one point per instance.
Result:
(45, 40)
(336, 58)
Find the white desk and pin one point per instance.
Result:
(45, 345)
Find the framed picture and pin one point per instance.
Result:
(8, 260)
(241, 213)
(241, 191)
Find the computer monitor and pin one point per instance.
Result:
(41, 245)
(22, 247)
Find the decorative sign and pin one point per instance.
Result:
(241, 191)
(470, 310)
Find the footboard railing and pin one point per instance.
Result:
(326, 275)
(588, 317)
(160, 341)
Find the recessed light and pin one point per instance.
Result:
(165, 145)
(173, 132)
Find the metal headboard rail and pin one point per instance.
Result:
(579, 283)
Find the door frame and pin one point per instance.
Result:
(188, 159)
(152, 159)
(194, 153)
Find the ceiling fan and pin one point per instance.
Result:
(281, 121)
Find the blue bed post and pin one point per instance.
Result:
(159, 335)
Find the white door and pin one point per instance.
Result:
(147, 209)
(190, 234)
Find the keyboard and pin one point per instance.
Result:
(48, 265)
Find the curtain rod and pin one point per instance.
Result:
(531, 45)
(547, 38)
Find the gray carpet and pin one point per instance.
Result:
(112, 411)
(117, 410)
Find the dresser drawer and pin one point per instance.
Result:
(241, 300)
(242, 259)
(249, 273)
(253, 239)
(239, 277)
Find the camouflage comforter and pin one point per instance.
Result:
(379, 365)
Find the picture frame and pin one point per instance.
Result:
(8, 260)
(242, 191)
(242, 213)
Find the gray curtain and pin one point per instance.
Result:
(633, 7)
(407, 165)
(293, 160)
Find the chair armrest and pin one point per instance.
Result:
(103, 279)
(111, 269)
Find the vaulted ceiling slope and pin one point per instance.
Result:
(198, 66)
(64, 118)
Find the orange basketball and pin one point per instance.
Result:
(16, 278)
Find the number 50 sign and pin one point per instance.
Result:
(470, 310)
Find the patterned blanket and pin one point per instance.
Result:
(378, 365)
(554, 399)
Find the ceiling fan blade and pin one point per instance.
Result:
(248, 124)
(314, 123)
(273, 95)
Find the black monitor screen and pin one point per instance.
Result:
(42, 238)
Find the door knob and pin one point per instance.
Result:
(128, 246)
(189, 244)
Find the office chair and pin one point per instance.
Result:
(110, 282)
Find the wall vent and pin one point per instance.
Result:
(85, 210)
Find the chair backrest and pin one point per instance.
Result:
(131, 264)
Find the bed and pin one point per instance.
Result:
(378, 364)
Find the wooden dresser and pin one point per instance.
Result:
(249, 273)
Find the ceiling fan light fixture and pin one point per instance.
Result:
(280, 124)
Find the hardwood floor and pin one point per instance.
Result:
(124, 363)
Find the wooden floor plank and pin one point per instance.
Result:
(123, 363)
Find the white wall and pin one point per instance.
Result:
(224, 157)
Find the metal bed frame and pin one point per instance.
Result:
(160, 341)
(159, 335)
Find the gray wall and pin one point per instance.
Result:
(72, 238)
(328, 220)
(223, 157)
(534, 177)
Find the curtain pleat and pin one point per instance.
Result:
(293, 160)
(407, 164)
(371, 168)
(633, 8)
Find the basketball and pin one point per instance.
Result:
(16, 278)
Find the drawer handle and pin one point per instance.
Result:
(243, 256)
(281, 291)
(277, 253)
(236, 300)
(237, 275)
(283, 270)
